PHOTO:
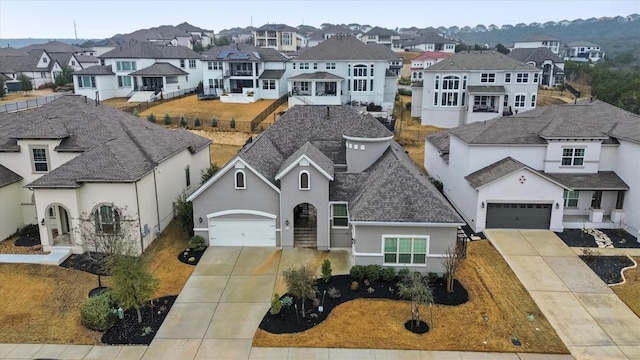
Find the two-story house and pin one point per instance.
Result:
(386, 37)
(326, 177)
(474, 86)
(555, 167)
(430, 42)
(72, 163)
(242, 73)
(341, 70)
(37, 64)
(424, 60)
(582, 51)
(537, 41)
(199, 36)
(319, 36)
(276, 36)
(552, 65)
(144, 67)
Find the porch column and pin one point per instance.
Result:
(313, 87)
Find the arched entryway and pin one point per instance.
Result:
(305, 226)
(58, 225)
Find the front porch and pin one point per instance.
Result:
(583, 222)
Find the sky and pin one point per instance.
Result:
(98, 19)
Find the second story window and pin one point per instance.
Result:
(330, 66)
(187, 176)
(304, 66)
(304, 180)
(192, 63)
(522, 78)
(448, 92)
(40, 160)
(182, 63)
(507, 78)
(240, 180)
(126, 66)
(488, 78)
(573, 156)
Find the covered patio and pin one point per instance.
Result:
(318, 88)
(160, 76)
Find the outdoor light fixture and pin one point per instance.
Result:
(42, 222)
(482, 205)
(199, 219)
(286, 223)
(557, 206)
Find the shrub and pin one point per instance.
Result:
(197, 122)
(197, 243)
(286, 301)
(183, 121)
(372, 272)
(354, 285)
(408, 106)
(276, 305)
(403, 273)
(404, 81)
(214, 122)
(96, 313)
(388, 274)
(438, 184)
(167, 119)
(334, 293)
(326, 270)
(151, 118)
(403, 91)
(433, 277)
(357, 272)
(232, 123)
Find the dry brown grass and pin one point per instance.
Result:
(629, 292)
(20, 96)
(225, 144)
(118, 103)
(493, 290)
(164, 263)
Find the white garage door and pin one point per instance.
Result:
(242, 232)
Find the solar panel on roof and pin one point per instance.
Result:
(223, 54)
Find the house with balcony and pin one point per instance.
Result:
(144, 70)
(277, 36)
(552, 65)
(537, 41)
(386, 37)
(341, 70)
(327, 177)
(474, 86)
(430, 42)
(78, 169)
(242, 73)
(582, 51)
(425, 60)
(556, 167)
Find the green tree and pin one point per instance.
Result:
(3, 89)
(184, 213)
(502, 49)
(326, 270)
(206, 174)
(415, 288)
(222, 40)
(132, 284)
(300, 283)
(65, 77)
(197, 47)
(25, 83)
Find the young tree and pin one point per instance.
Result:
(451, 262)
(25, 83)
(3, 89)
(206, 174)
(65, 77)
(132, 284)
(300, 283)
(502, 49)
(184, 213)
(415, 288)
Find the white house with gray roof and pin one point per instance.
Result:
(537, 41)
(552, 65)
(474, 86)
(326, 177)
(37, 64)
(382, 36)
(582, 51)
(280, 37)
(72, 162)
(555, 167)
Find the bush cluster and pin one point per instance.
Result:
(96, 313)
(197, 243)
(403, 91)
(372, 273)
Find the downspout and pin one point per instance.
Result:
(139, 219)
(155, 188)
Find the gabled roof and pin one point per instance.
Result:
(317, 159)
(500, 169)
(87, 58)
(429, 38)
(114, 146)
(272, 74)
(385, 52)
(537, 55)
(378, 31)
(190, 28)
(242, 52)
(55, 47)
(62, 58)
(341, 48)
(95, 70)
(160, 69)
(8, 177)
(318, 75)
(277, 27)
(149, 50)
(330, 30)
(435, 55)
(479, 60)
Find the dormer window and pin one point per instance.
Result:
(39, 159)
(304, 181)
(240, 180)
(572, 157)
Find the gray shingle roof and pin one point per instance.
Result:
(429, 38)
(149, 50)
(96, 70)
(380, 32)
(479, 60)
(114, 146)
(581, 43)
(318, 75)
(539, 38)
(55, 47)
(314, 155)
(243, 52)
(487, 89)
(330, 30)
(271, 74)
(494, 172)
(341, 48)
(87, 58)
(160, 69)
(603, 180)
(385, 52)
(277, 27)
(8, 177)
(537, 55)
(19, 61)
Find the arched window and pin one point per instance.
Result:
(448, 92)
(304, 183)
(360, 77)
(107, 219)
(240, 180)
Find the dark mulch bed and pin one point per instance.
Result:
(421, 328)
(191, 254)
(287, 321)
(129, 332)
(608, 267)
(27, 241)
(578, 238)
(89, 262)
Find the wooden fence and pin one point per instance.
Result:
(263, 115)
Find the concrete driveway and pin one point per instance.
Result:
(589, 318)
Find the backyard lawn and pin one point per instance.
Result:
(494, 291)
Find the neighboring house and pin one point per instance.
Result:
(327, 177)
(242, 73)
(319, 36)
(556, 167)
(583, 51)
(60, 47)
(198, 35)
(386, 37)
(474, 86)
(551, 65)
(144, 67)
(537, 41)
(277, 36)
(425, 60)
(430, 42)
(341, 70)
(87, 61)
(37, 64)
(72, 159)
(395, 60)
(238, 35)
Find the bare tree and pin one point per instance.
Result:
(451, 262)
(415, 288)
(300, 283)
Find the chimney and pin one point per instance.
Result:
(328, 116)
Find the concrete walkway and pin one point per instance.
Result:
(55, 257)
(589, 318)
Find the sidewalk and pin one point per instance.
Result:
(589, 318)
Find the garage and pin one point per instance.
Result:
(242, 232)
(518, 216)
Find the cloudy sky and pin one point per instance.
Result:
(101, 19)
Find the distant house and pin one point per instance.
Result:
(198, 35)
(430, 42)
(319, 36)
(562, 166)
(243, 73)
(395, 60)
(474, 86)
(537, 41)
(326, 177)
(425, 60)
(551, 65)
(277, 36)
(238, 35)
(37, 64)
(583, 51)
(72, 162)
(386, 37)
(341, 70)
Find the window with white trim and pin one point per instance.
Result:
(87, 82)
(182, 63)
(573, 156)
(522, 78)
(339, 216)
(240, 180)
(330, 66)
(571, 198)
(39, 159)
(107, 220)
(360, 78)
(215, 65)
(304, 182)
(124, 81)
(405, 250)
(533, 100)
(520, 101)
(304, 66)
(507, 78)
(506, 100)
(487, 77)
(126, 66)
(192, 63)
(268, 84)
(449, 92)
(536, 76)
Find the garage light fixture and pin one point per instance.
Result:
(286, 223)
(482, 205)
(200, 219)
(42, 222)
(557, 206)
